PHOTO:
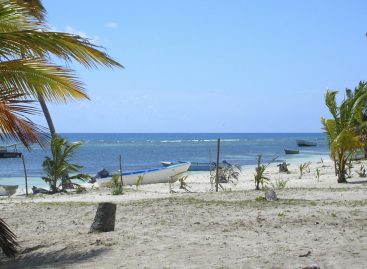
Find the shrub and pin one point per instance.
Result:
(303, 167)
(117, 188)
(279, 184)
(259, 176)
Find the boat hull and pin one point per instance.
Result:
(8, 190)
(5, 155)
(306, 143)
(152, 176)
(291, 151)
(195, 166)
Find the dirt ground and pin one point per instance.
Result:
(200, 230)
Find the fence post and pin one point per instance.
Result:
(25, 175)
(122, 183)
(217, 166)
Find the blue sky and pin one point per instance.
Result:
(212, 66)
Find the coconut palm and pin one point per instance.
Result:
(26, 52)
(27, 48)
(58, 168)
(343, 130)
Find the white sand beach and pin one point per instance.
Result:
(313, 222)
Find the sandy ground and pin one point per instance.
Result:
(324, 221)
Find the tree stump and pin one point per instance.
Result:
(104, 221)
(283, 167)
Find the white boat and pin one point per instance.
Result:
(8, 190)
(153, 175)
(195, 166)
(306, 143)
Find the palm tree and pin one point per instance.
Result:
(343, 129)
(26, 50)
(59, 166)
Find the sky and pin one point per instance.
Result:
(212, 66)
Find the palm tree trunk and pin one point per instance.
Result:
(46, 112)
(341, 172)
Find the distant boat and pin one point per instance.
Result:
(306, 143)
(153, 175)
(8, 190)
(5, 153)
(291, 151)
(195, 166)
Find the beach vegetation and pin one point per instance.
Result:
(139, 181)
(59, 168)
(183, 183)
(318, 174)
(227, 173)
(362, 171)
(345, 127)
(279, 184)
(281, 214)
(260, 177)
(260, 199)
(304, 167)
(117, 188)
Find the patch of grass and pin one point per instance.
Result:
(281, 214)
(117, 190)
(68, 204)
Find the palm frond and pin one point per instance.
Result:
(330, 100)
(35, 76)
(8, 242)
(14, 17)
(34, 43)
(14, 125)
(34, 7)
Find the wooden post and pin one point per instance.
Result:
(25, 175)
(217, 168)
(122, 182)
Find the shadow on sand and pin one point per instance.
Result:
(54, 259)
(358, 182)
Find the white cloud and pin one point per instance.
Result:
(94, 39)
(72, 30)
(111, 24)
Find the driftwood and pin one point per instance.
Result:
(104, 221)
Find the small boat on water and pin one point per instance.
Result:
(5, 153)
(291, 151)
(306, 143)
(8, 190)
(153, 175)
(195, 166)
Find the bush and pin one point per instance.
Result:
(117, 188)
(279, 184)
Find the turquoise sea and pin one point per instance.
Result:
(147, 150)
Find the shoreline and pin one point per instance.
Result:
(199, 182)
(38, 182)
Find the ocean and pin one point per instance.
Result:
(141, 151)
